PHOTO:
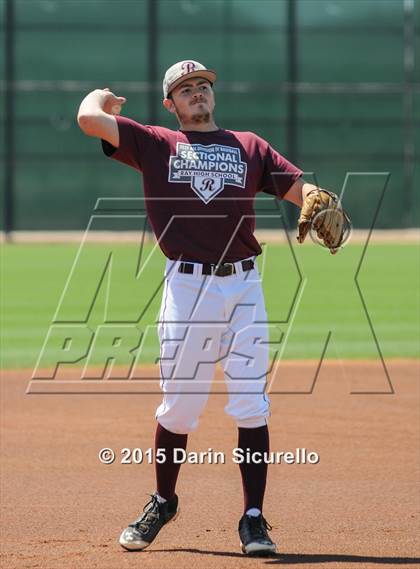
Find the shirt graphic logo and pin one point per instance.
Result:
(207, 168)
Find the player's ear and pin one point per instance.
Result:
(169, 105)
(214, 97)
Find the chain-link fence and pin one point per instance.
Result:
(332, 84)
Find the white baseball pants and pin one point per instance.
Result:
(205, 320)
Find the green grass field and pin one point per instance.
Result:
(326, 299)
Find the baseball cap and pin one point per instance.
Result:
(181, 71)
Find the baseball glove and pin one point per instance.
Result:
(322, 211)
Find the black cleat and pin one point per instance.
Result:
(145, 528)
(254, 537)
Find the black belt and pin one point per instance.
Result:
(220, 270)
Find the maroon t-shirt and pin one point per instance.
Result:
(200, 187)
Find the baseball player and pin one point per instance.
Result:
(200, 182)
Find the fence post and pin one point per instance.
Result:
(409, 77)
(9, 119)
(152, 58)
(292, 102)
(292, 79)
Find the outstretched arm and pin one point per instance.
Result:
(298, 192)
(96, 115)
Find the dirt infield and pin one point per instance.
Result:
(358, 507)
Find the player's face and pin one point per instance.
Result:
(193, 101)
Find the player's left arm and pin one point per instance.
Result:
(298, 192)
